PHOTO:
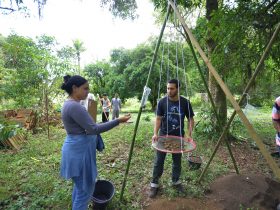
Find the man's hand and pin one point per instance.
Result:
(155, 138)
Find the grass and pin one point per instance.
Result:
(29, 179)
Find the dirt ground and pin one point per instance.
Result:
(253, 189)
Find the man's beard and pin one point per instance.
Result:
(173, 95)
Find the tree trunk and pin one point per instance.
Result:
(218, 95)
(153, 101)
(248, 76)
(79, 65)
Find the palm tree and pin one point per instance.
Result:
(79, 48)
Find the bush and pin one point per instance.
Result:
(7, 130)
(205, 124)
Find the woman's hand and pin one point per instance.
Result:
(124, 118)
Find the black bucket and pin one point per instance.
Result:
(275, 154)
(194, 162)
(103, 193)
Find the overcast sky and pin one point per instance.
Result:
(85, 20)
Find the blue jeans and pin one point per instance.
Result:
(159, 165)
(80, 198)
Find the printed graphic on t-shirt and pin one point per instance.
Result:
(173, 120)
(172, 117)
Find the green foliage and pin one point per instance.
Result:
(205, 122)
(147, 118)
(35, 67)
(79, 48)
(38, 185)
(239, 46)
(196, 100)
(130, 69)
(97, 75)
(162, 4)
(6, 7)
(7, 130)
(123, 9)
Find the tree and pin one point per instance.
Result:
(79, 48)
(123, 9)
(66, 59)
(8, 7)
(130, 70)
(25, 63)
(229, 32)
(33, 66)
(97, 74)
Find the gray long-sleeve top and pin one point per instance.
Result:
(77, 120)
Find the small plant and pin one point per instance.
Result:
(7, 130)
(147, 118)
(205, 124)
(243, 208)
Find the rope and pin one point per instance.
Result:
(174, 38)
(185, 76)
(177, 75)
(160, 72)
(168, 78)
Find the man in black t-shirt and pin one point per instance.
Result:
(171, 113)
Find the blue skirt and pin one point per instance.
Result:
(79, 159)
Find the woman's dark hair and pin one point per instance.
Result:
(69, 81)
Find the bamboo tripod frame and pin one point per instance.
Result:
(230, 97)
(192, 42)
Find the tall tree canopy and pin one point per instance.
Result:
(32, 65)
(122, 9)
(9, 6)
(233, 34)
(79, 48)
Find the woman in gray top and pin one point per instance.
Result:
(78, 160)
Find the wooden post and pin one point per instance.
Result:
(47, 112)
(211, 99)
(141, 108)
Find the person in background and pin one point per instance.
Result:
(276, 121)
(78, 160)
(116, 105)
(106, 107)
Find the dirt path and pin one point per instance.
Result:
(253, 189)
(230, 192)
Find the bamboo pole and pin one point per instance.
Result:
(211, 99)
(141, 108)
(47, 111)
(256, 72)
(230, 97)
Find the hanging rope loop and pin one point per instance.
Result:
(170, 143)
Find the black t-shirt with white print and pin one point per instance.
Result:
(170, 113)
